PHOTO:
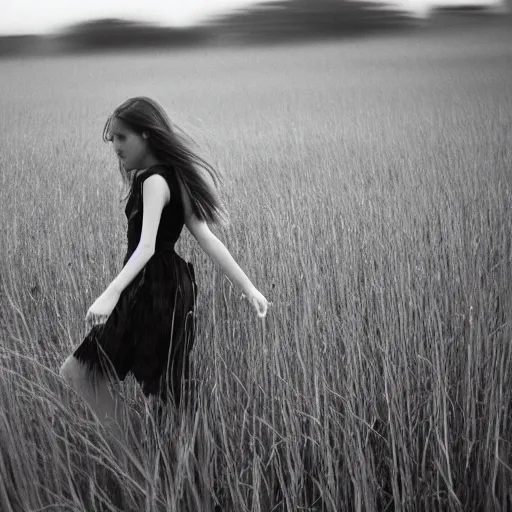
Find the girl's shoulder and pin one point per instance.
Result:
(163, 170)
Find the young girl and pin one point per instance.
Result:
(144, 321)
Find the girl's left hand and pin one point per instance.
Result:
(258, 301)
(102, 307)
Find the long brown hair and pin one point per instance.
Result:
(168, 145)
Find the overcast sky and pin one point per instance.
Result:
(43, 16)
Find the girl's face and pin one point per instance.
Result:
(131, 148)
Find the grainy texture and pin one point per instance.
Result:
(369, 187)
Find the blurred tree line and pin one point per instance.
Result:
(117, 33)
(271, 22)
(268, 22)
(284, 20)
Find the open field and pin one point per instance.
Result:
(369, 185)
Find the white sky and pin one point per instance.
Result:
(43, 16)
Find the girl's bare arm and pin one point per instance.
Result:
(155, 194)
(218, 252)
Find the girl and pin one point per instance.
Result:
(144, 321)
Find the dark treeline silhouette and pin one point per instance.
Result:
(271, 23)
(467, 13)
(464, 17)
(118, 33)
(284, 20)
(20, 44)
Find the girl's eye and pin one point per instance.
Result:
(111, 138)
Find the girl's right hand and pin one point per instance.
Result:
(258, 301)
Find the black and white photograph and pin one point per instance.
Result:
(256, 256)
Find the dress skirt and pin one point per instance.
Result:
(151, 330)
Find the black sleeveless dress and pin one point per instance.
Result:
(151, 330)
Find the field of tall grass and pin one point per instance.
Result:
(370, 195)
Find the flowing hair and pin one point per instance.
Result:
(143, 114)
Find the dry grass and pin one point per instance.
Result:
(369, 187)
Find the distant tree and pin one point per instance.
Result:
(120, 33)
(18, 44)
(298, 19)
(465, 15)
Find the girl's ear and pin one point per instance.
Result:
(145, 135)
